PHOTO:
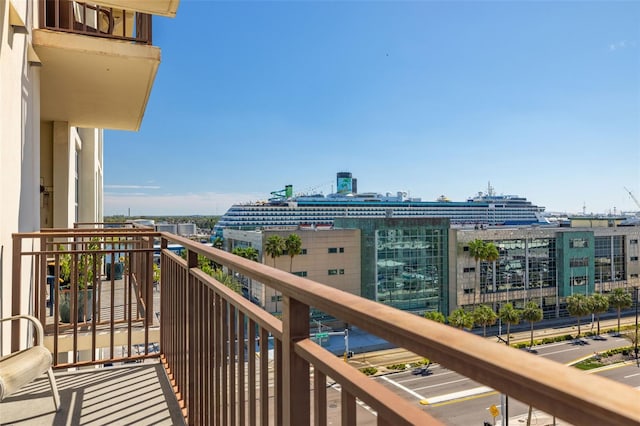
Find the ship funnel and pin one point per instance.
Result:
(344, 183)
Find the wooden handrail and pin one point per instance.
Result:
(201, 318)
(545, 384)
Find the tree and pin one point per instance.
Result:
(251, 254)
(477, 251)
(293, 245)
(532, 314)
(578, 306)
(274, 247)
(218, 242)
(509, 315)
(460, 319)
(435, 316)
(619, 298)
(483, 315)
(599, 304)
(247, 253)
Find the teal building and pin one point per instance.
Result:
(404, 261)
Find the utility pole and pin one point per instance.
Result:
(636, 342)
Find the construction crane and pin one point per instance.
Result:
(633, 197)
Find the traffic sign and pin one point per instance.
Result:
(494, 410)
(322, 335)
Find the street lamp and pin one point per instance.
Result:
(636, 341)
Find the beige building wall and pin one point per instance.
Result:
(51, 172)
(339, 270)
(19, 146)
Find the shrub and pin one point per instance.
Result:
(369, 371)
(397, 366)
(422, 362)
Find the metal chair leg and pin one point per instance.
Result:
(54, 389)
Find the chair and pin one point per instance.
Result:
(19, 368)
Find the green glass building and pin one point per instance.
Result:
(404, 261)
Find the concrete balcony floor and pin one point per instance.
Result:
(134, 394)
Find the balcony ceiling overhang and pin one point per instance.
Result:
(153, 7)
(92, 81)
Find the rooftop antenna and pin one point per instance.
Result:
(489, 189)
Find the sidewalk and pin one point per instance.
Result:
(361, 341)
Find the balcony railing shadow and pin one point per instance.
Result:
(214, 343)
(95, 20)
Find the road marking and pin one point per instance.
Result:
(419, 377)
(459, 395)
(468, 398)
(404, 388)
(633, 375)
(338, 387)
(442, 384)
(557, 352)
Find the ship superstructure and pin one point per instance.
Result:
(285, 210)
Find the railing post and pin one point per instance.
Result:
(192, 262)
(296, 388)
(16, 296)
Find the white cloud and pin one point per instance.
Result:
(208, 203)
(132, 186)
(622, 44)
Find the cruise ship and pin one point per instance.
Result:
(284, 210)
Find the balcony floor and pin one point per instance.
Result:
(137, 394)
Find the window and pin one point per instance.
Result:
(300, 273)
(332, 250)
(465, 248)
(578, 281)
(633, 241)
(333, 272)
(472, 269)
(578, 262)
(341, 249)
(578, 243)
(341, 271)
(277, 298)
(634, 258)
(633, 276)
(304, 251)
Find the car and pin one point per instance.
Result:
(422, 371)
(426, 371)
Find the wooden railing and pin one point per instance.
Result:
(95, 20)
(202, 321)
(210, 337)
(92, 289)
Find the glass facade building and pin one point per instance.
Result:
(404, 262)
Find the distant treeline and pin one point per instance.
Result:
(202, 222)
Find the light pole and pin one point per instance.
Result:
(636, 342)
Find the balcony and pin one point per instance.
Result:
(98, 64)
(202, 334)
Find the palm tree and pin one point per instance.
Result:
(532, 314)
(509, 315)
(218, 242)
(491, 255)
(293, 245)
(476, 250)
(435, 316)
(619, 298)
(274, 247)
(599, 304)
(483, 315)
(578, 306)
(460, 319)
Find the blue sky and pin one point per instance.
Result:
(542, 99)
